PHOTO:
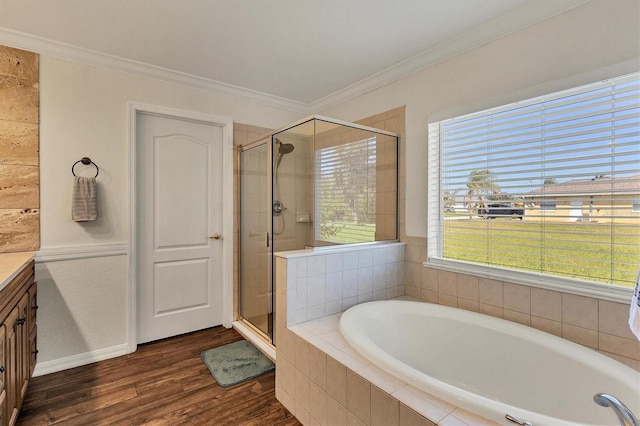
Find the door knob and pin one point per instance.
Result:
(215, 236)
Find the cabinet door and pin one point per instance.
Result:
(32, 327)
(12, 373)
(3, 372)
(23, 348)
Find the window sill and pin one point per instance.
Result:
(566, 285)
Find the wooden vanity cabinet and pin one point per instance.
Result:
(17, 342)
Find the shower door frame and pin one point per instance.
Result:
(268, 141)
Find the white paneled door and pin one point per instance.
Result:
(179, 221)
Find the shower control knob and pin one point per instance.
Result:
(215, 236)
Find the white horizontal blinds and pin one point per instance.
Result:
(570, 161)
(346, 191)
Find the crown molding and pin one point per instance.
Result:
(515, 20)
(70, 52)
(510, 22)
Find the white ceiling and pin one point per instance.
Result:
(299, 51)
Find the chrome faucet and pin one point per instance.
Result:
(625, 416)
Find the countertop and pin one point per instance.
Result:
(11, 264)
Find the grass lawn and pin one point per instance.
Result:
(578, 250)
(353, 233)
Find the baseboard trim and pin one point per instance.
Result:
(87, 251)
(72, 361)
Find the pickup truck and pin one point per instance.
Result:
(501, 210)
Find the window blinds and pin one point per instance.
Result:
(346, 190)
(570, 162)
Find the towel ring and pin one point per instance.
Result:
(86, 161)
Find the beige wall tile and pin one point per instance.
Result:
(517, 297)
(302, 390)
(412, 273)
(336, 413)
(547, 325)
(635, 364)
(468, 305)
(412, 291)
(519, 317)
(385, 409)
(409, 417)
(546, 304)
(19, 230)
(286, 373)
(301, 354)
(448, 282)
(490, 292)
(412, 253)
(302, 415)
(318, 367)
(337, 381)
(430, 296)
(20, 187)
(580, 335)
(18, 143)
(353, 420)
(318, 403)
(286, 339)
(613, 319)
(447, 300)
(468, 287)
(359, 396)
(429, 279)
(618, 345)
(19, 63)
(580, 311)
(19, 100)
(494, 311)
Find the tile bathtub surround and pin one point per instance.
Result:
(323, 381)
(328, 282)
(19, 145)
(595, 323)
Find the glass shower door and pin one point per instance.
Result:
(255, 296)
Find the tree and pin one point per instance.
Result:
(482, 186)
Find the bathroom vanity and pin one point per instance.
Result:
(18, 348)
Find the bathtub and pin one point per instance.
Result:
(489, 366)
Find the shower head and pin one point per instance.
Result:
(285, 148)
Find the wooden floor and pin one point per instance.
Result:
(162, 383)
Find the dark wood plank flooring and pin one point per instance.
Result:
(162, 383)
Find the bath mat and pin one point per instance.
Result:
(236, 363)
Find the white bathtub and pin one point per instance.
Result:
(489, 366)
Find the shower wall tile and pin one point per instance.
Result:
(320, 284)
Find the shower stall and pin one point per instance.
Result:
(316, 184)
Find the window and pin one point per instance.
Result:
(520, 169)
(547, 204)
(346, 192)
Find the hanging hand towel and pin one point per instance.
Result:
(634, 311)
(84, 200)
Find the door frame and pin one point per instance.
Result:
(226, 123)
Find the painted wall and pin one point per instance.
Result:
(597, 40)
(83, 302)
